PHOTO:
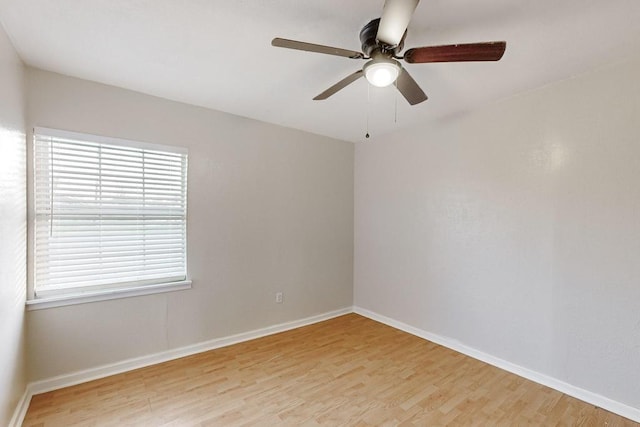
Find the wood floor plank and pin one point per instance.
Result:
(348, 371)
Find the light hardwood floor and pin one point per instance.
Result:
(345, 371)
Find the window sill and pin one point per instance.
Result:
(86, 297)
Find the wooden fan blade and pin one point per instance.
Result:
(488, 51)
(396, 15)
(340, 85)
(318, 48)
(409, 88)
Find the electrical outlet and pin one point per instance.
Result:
(279, 297)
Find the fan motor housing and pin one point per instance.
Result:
(370, 44)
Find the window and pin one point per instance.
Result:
(110, 214)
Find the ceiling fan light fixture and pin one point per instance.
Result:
(382, 72)
(382, 41)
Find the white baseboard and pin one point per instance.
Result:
(21, 409)
(78, 377)
(566, 388)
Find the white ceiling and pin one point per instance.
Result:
(217, 54)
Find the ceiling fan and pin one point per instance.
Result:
(383, 39)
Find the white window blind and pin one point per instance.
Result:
(109, 213)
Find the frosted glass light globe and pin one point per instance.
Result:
(381, 73)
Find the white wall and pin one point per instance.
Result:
(12, 229)
(515, 230)
(269, 209)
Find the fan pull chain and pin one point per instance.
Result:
(395, 107)
(368, 98)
